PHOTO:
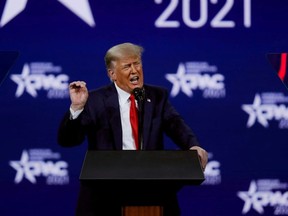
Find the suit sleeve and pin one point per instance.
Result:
(71, 132)
(175, 127)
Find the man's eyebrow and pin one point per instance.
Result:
(126, 64)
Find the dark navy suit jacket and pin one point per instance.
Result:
(100, 122)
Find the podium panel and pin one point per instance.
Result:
(149, 166)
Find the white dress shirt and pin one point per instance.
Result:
(124, 104)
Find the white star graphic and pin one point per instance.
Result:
(22, 80)
(180, 80)
(12, 9)
(81, 8)
(23, 169)
(255, 112)
(248, 198)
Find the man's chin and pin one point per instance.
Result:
(137, 86)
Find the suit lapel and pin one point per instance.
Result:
(148, 110)
(113, 110)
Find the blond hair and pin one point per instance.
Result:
(122, 50)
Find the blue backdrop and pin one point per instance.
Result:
(209, 54)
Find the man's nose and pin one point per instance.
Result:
(133, 69)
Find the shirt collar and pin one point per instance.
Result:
(123, 96)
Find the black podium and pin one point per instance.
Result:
(143, 176)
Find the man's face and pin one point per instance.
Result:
(127, 73)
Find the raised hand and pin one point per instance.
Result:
(78, 95)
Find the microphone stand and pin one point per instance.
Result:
(139, 94)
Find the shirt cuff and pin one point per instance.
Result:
(75, 114)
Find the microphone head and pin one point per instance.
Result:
(139, 94)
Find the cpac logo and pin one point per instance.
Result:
(30, 169)
(258, 199)
(80, 8)
(262, 113)
(197, 75)
(34, 78)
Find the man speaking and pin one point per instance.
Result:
(109, 119)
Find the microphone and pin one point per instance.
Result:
(139, 94)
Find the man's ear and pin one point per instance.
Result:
(111, 74)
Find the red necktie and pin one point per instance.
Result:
(134, 120)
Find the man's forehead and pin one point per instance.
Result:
(128, 59)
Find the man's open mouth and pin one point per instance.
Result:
(134, 80)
